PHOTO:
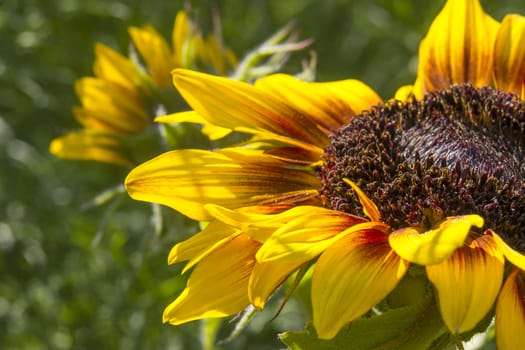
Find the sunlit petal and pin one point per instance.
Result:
(307, 236)
(352, 276)
(214, 235)
(257, 226)
(239, 106)
(330, 105)
(218, 286)
(458, 47)
(510, 312)
(261, 226)
(186, 180)
(468, 283)
(433, 246)
(509, 55)
(241, 218)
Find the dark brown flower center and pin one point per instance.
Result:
(458, 151)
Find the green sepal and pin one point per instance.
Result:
(413, 327)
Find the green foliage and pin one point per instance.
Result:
(96, 277)
(409, 328)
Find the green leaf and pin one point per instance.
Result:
(413, 327)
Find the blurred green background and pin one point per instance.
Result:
(80, 277)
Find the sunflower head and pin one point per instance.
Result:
(366, 191)
(459, 150)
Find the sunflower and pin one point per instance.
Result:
(120, 101)
(366, 190)
(117, 103)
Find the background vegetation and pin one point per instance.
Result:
(95, 277)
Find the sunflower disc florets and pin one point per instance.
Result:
(459, 150)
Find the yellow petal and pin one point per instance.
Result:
(239, 106)
(257, 226)
(108, 107)
(111, 66)
(404, 92)
(468, 283)
(352, 276)
(297, 155)
(516, 258)
(458, 47)
(419, 87)
(509, 55)
(433, 246)
(510, 313)
(329, 105)
(213, 54)
(265, 278)
(236, 218)
(261, 226)
(212, 131)
(369, 208)
(84, 145)
(156, 53)
(182, 28)
(198, 246)
(218, 286)
(307, 236)
(181, 117)
(186, 180)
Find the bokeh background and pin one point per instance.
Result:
(78, 276)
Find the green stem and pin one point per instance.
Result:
(208, 332)
(459, 343)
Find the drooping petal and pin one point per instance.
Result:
(352, 276)
(330, 105)
(155, 52)
(509, 55)
(85, 145)
(516, 258)
(468, 283)
(186, 180)
(265, 278)
(458, 47)
(218, 286)
(307, 236)
(510, 312)
(433, 246)
(239, 106)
